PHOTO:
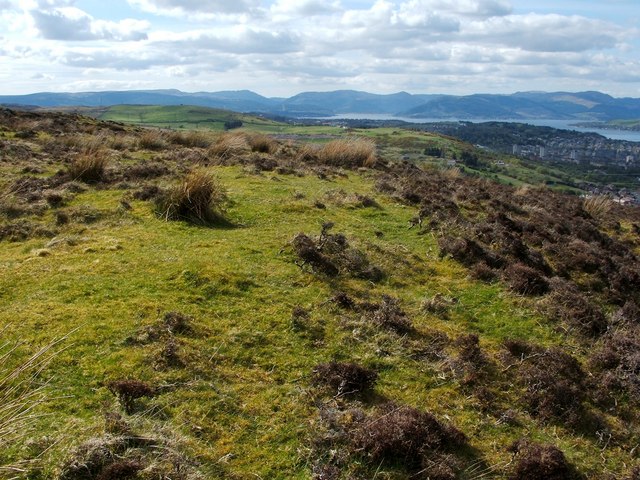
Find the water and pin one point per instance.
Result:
(626, 135)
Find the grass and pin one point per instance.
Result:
(241, 401)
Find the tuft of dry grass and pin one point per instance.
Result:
(89, 167)
(22, 391)
(192, 138)
(152, 140)
(597, 206)
(262, 143)
(198, 198)
(351, 152)
(229, 145)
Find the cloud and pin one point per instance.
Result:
(187, 7)
(304, 8)
(70, 23)
(546, 33)
(471, 8)
(239, 40)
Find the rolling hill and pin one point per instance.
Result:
(207, 305)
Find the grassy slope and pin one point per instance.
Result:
(243, 402)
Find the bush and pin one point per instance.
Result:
(525, 280)
(405, 435)
(344, 378)
(177, 323)
(128, 391)
(555, 387)
(120, 470)
(89, 167)
(350, 153)
(540, 462)
(566, 304)
(198, 198)
(390, 316)
(307, 249)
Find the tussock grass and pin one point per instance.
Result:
(351, 152)
(597, 206)
(152, 140)
(262, 143)
(229, 145)
(198, 198)
(22, 392)
(89, 167)
(190, 139)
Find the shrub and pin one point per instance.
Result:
(178, 323)
(89, 167)
(307, 249)
(128, 391)
(525, 280)
(404, 434)
(120, 469)
(540, 462)
(351, 152)
(566, 304)
(618, 359)
(344, 378)
(198, 198)
(343, 300)
(390, 316)
(555, 388)
(300, 318)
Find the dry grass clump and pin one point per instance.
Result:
(22, 391)
(152, 140)
(597, 206)
(351, 152)
(192, 138)
(262, 143)
(89, 167)
(228, 145)
(198, 198)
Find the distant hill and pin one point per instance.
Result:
(586, 106)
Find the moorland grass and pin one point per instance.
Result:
(241, 397)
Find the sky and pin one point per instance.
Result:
(279, 48)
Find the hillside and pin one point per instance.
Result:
(583, 106)
(236, 305)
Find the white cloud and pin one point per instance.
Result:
(472, 8)
(70, 23)
(304, 8)
(205, 8)
(546, 33)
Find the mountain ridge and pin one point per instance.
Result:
(587, 105)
